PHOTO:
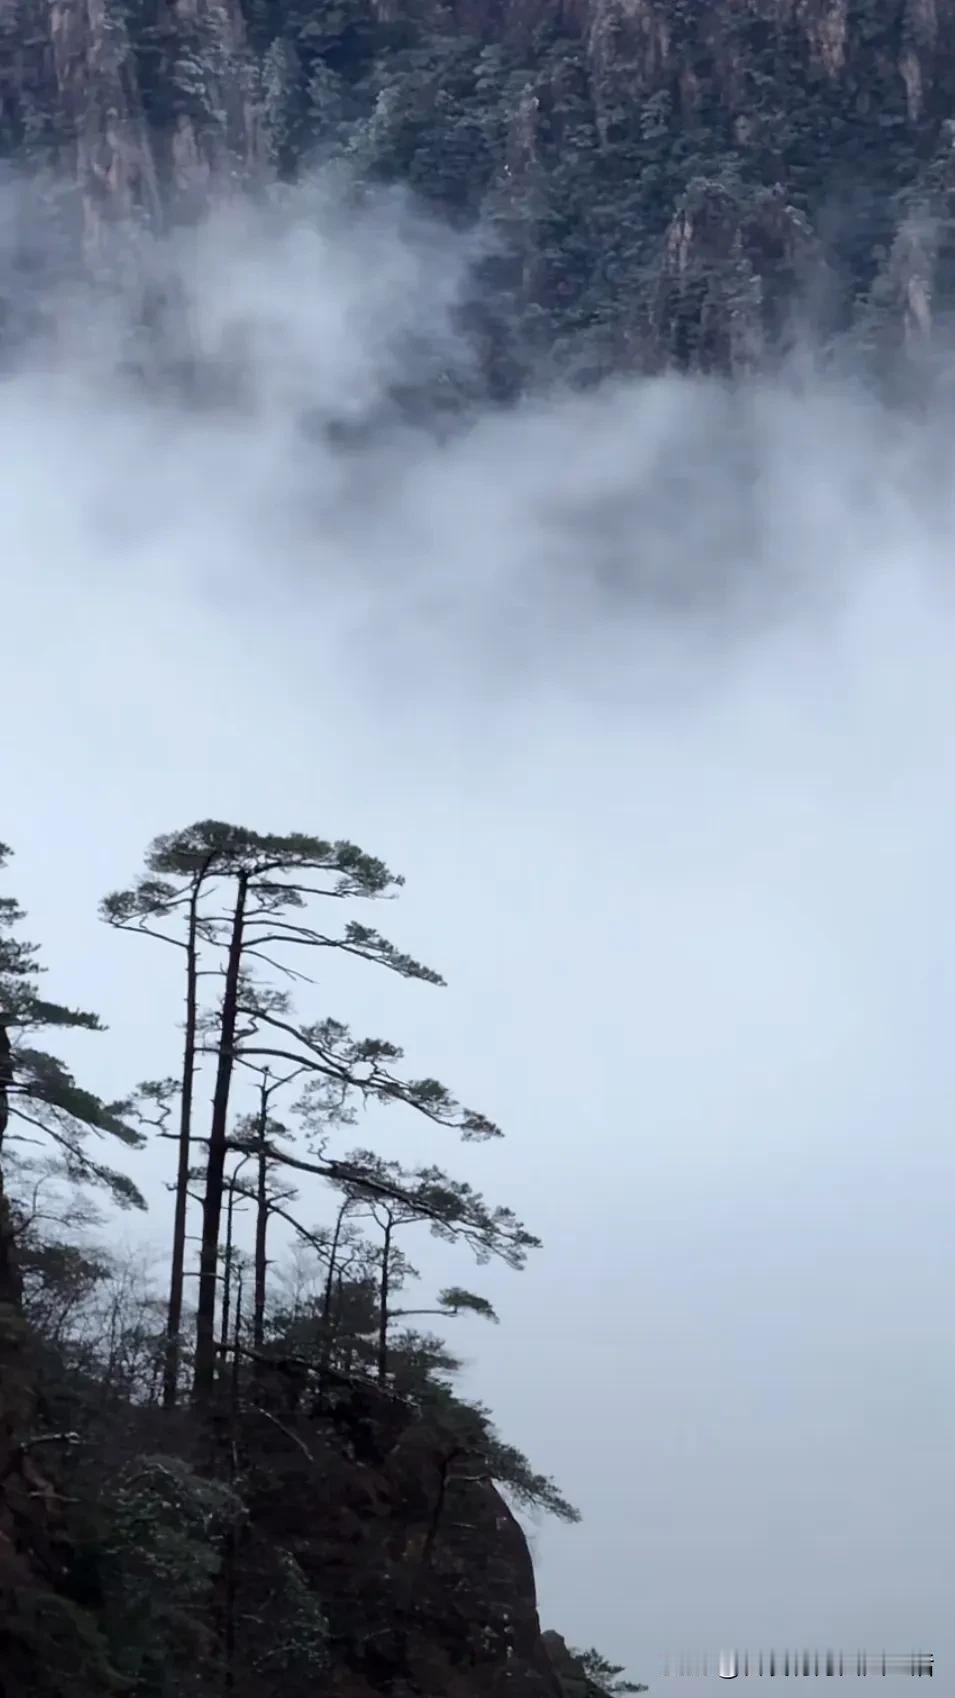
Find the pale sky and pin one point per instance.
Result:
(651, 698)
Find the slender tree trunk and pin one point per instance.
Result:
(383, 1306)
(326, 1351)
(170, 1390)
(226, 1280)
(231, 1554)
(261, 1262)
(348, 1355)
(261, 1224)
(204, 1379)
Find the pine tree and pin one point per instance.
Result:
(37, 1090)
(263, 885)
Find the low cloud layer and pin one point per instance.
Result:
(650, 696)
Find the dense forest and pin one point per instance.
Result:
(655, 184)
(259, 1479)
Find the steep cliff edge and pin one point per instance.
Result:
(351, 1543)
(419, 1562)
(669, 183)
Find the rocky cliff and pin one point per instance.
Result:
(415, 1554)
(669, 182)
(334, 1540)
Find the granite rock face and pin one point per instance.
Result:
(421, 1564)
(674, 184)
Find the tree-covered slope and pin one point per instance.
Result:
(254, 1477)
(663, 182)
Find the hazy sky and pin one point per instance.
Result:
(651, 698)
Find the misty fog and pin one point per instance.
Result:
(650, 695)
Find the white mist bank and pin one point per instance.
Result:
(650, 695)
